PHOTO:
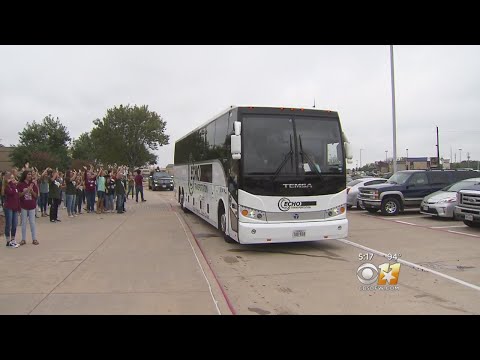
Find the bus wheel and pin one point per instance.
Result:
(222, 225)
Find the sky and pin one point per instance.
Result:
(187, 85)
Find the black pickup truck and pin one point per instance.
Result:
(406, 189)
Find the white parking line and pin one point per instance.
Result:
(447, 227)
(412, 265)
(404, 222)
(462, 233)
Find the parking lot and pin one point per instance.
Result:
(440, 262)
(155, 259)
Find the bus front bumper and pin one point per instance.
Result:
(250, 233)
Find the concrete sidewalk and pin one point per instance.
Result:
(140, 262)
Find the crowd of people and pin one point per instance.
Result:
(29, 194)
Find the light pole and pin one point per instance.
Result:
(406, 161)
(460, 155)
(361, 157)
(393, 114)
(386, 152)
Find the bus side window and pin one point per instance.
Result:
(233, 179)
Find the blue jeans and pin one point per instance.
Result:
(90, 200)
(138, 189)
(78, 203)
(43, 201)
(130, 190)
(11, 221)
(109, 199)
(31, 218)
(70, 204)
(120, 200)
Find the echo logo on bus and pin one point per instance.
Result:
(286, 204)
(195, 173)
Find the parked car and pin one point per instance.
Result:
(406, 189)
(442, 203)
(354, 185)
(160, 180)
(468, 207)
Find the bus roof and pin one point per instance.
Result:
(266, 110)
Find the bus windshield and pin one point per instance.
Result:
(284, 145)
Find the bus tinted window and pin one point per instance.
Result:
(267, 141)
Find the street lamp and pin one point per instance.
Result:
(386, 152)
(460, 155)
(406, 162)
(361, 157)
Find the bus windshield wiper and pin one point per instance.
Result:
(289, 155)
(311, 164)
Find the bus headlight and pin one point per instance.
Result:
(337, 210)
(252, 213)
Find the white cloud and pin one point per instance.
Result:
(186, 85)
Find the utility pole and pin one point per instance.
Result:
(460, 155)
(406, 161)
(468, 159)
(393, 114)
(438, 152)
(361, 157)
(386, 152)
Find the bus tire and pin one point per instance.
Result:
(222, 224)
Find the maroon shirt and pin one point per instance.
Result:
(27, 201)
(89, 183)
(138, 180)
(12, 201)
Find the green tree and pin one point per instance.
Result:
(127, 134)
(84, 148)
(44, 142)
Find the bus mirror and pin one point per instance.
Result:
(236, 147)
(238, 127)
(348, 151)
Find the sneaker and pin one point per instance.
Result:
(58, 220)
(70, 216)
(52, 221)
(23, 242)
(13, 244)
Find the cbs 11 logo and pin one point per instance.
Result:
(368, 274)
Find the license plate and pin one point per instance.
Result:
(299, 233)
(425, 208)
(469, 217)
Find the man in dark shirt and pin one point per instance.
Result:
(54, 194)
(120, 193)
(139, 185)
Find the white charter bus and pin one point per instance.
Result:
(266, 174)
